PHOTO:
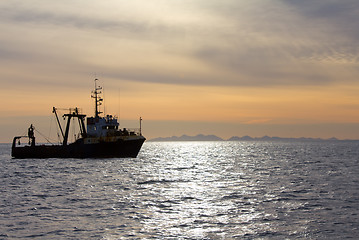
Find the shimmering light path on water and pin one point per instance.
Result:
(187, 190)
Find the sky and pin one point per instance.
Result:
(231, 68)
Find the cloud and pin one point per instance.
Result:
(39, 17)
(231, 43)
(328, 10)
(333, 23)
(116, 18)
(275, 43)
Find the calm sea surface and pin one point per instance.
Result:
(186, 190)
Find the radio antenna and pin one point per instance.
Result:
(119, 105)
(104, 98)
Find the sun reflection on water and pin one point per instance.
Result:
(196, 192)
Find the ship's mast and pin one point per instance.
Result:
(73, 113)
(98, 100)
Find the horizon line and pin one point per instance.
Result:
(247, 138)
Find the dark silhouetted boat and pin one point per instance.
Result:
(102, 138)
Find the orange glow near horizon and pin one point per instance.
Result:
(202, 103)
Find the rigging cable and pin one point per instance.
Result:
(46, 138)
(50, 126)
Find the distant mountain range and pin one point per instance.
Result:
(201, 137)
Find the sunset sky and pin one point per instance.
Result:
(231, 68)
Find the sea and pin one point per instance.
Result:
(187, 190)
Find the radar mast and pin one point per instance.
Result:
(98, 100)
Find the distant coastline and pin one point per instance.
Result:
(201, 137)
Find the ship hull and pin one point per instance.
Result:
(118, 149)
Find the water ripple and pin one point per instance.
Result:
(186, 190)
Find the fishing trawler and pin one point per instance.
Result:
(101, 138)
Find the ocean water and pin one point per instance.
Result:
(186, 190)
